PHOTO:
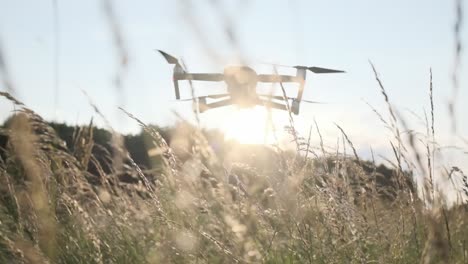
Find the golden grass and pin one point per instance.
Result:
(325, 209)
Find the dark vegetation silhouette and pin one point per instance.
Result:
(138, 146)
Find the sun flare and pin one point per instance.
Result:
(249, 126)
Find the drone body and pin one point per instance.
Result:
(241, 84)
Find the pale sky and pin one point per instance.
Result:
(402, 38)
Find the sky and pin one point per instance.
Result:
(403, 39)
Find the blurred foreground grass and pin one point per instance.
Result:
(60, 203)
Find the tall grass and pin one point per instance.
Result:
(60, 203)
(329, 208)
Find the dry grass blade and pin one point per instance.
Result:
(149, 187)
(193, 94)
(431, 98)
(350, 143)
(394, 120)
(56, 54)
(292, 128)
(119, 43)
(158, 140)
(4, 71)
(457, 29)
(97, 111)
(379, 116)
(384, 93)
(11, 98)
(398, 158)
(187, 8)
(320, 137)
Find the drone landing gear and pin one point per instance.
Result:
(294, 106)
(202, 106)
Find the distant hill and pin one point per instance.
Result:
(261, 158)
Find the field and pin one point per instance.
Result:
(83, 202)
(188, 194)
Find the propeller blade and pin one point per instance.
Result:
(170, 59)
(323, 70)
(313, 102)
(312, 69)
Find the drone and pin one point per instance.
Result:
(241, 84)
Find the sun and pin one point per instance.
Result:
(248, 126)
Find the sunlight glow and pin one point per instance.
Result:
(248, 126)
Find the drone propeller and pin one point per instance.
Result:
(321, 70)
(313, 102)
(170, 59)
(313, 69)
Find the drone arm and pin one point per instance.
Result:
(220, 103)
(180, 75)
(301, 90)
(204, 106)
(275, 78)
(272, 104)
(210, 77)
(176, 88)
